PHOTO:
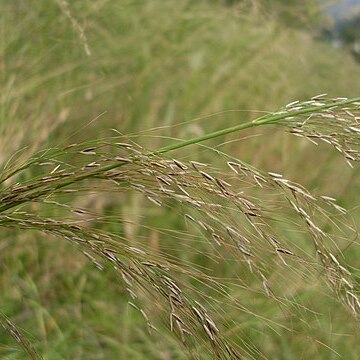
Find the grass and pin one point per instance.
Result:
(154, 274)
(258, 269)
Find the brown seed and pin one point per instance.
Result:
(198, 314)
(122, 159)
(88, 151)
(206, 176)
(285, 251)
(179, 164)
(208, 332)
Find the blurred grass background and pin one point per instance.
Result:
(74, 71)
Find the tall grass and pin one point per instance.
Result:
(195, 249)
(237, 212)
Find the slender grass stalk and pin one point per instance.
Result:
(263, 120)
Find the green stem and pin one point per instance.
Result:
(264, 120)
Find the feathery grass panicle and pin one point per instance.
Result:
(243, 219)
(64, 5)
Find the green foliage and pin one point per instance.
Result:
(106, 236)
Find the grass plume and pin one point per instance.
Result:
(264, 229)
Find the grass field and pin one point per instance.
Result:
(98, 261)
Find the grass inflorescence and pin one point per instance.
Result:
(246, 242)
